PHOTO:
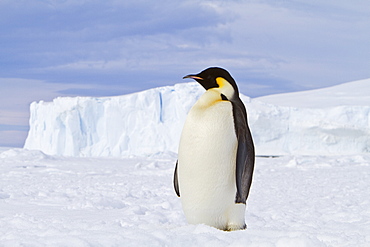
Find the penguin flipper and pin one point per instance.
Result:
(244, 171)
(176, 182)
(245, 153)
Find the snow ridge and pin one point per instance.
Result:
(151, 121)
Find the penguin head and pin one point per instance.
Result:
(218, 78)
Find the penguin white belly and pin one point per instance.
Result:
(206, 167)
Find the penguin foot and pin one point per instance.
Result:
(236, 227)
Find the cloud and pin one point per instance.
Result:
(50, 39)
(312, 43)
(297, 42)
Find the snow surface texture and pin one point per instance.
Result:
(151, 121)
(71, 201)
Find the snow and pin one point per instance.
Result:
(333, 120)
(49, 200)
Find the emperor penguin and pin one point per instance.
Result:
(213, 173)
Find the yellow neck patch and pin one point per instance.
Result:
(225, 87)
(221, 82)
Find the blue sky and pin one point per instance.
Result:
(52, 48)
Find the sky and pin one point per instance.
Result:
(52, 48)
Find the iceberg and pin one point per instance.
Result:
(150, 122)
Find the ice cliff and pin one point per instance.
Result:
(151, 121)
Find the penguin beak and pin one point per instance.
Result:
(195, 77)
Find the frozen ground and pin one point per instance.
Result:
(69, 201)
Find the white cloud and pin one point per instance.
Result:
(315, 43)
(265, 36)
(57, 39)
